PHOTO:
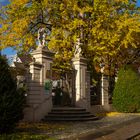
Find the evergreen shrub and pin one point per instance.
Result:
(11, 99)
(126, 96)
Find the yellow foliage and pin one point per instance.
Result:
(108, 114)
(107, 26)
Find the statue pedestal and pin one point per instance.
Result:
(39, 100)
(82, 83)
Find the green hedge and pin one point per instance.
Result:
(126, 96)
(11, 100)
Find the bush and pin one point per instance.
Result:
(126, 96)
(11, 99)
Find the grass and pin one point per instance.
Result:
(49, 127)
(24, 136)
(35, 131)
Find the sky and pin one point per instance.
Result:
(138, 2)
(10, 51)
(3, 2)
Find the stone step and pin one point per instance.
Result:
(72, 119)
(68, 109)
(69, 114)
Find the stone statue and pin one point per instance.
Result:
(102, 67)
(78, 49)
(41, 37)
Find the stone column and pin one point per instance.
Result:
(44, 57)
(82, 94)
(39, 100)
(104, 90)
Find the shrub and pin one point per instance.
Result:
(11, 99)
(126, 96)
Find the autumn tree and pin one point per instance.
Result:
(107, 28)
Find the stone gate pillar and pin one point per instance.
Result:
(39, 99)
(104, 90)
(44, 57)
(82, 91)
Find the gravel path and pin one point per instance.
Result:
(76, 129)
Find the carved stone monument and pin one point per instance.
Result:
(42, 37)
(39, 98)
(82, 78)
(78, 50)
